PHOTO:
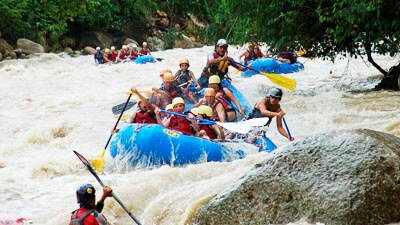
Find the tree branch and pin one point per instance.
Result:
(371, 60)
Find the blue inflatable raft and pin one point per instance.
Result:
(152, 145)
(144, 59)
(270, 65)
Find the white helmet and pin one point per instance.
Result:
(134, 46)
(144, 44)
(222, 42)
(112, 48)
(98, 48)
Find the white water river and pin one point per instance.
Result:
(52, 104)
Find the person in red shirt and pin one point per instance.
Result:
(89, 212)
(145, 50)
(145, 110)
(113, 54)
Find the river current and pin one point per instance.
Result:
(52, 104)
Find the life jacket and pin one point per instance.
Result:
(87, 217)
(112, 56)
(145, 117)
(99, 57)
(225, 100)
(256, 113)
(145, 51)
(181, 124)
(123, 54)
(210, 132)
(215, 113)
(220, 69)
(183, 77)
(134, 54)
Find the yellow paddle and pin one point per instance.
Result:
(277, 79)
(98, 162)
(280, 80)
(124, 117)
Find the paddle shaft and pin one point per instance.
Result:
(91, 170)
(185, 116)
(287, 128)
(119, 118)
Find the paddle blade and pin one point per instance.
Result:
(255, 122)
(280, 80)
(124, 117)
(116, 110)
(235, 127)
(98, 162)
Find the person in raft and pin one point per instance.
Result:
(89, 213)
(185, 78)
(98, 56)
(175, 122)
(145, 50)
(145, 110)
(270, 107)
(217, 63)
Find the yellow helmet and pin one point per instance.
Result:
(177, 100)
(106, 50)
(168, 107)
(214, 79)
(184, 61)
(162, 72)
(195, 111)
(205, 109)
(168, 77)
(209, 92)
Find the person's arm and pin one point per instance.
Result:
(219, 131)
(161, 92)
(143, 99)
(241, 55)
(239, 67)
(158, 116)
(233, 99)
(202, 101)
(95, 59)
(221, 112)
(263, 109)
(280, 128)
(194, 79)
(106, 193)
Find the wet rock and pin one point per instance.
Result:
(29, 47)
(68, 42)
(162, 19)
(68, 50)
(11, 55)
(96, 38)
(1, 56)
(183, 42)
(4, 46)
(88, 51)
(42, 40)
(345, 177)
(128, 41)
(155, 44)
(391, 81)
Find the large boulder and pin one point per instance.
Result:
(88, 51)
(156, 44)
(29, 47)
(96, 38)
(128, 41)
(183, 42)
(344, 177)
(4, 46)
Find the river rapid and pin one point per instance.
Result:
(52, 104)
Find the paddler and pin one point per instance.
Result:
(89, 213)
(185, 78)
(217, 63)
(270, 107)
(145, 110)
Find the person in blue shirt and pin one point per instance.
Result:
(98, 56)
